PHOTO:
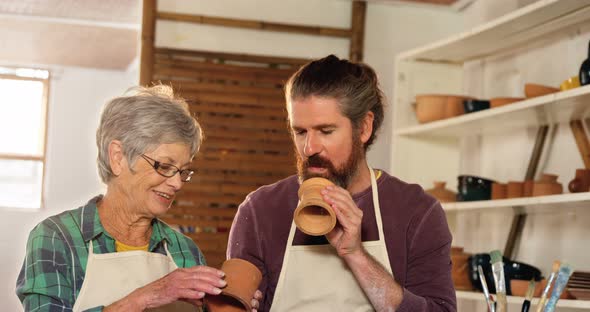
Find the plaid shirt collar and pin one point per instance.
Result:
(92, 227)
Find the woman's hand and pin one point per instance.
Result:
(186, 284)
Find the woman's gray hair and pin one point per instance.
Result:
(142, 119)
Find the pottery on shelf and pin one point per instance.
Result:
(532, 90)
(313, 216)
(441, 193)
(431, 107)
(243, 279)
(515, 189)
(584, 73)
(499, 190)
(547, 185)
(581, 183)
(460, 269)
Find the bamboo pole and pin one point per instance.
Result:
(252, 24)
(357, 39)
(148, 29)
(238, 57)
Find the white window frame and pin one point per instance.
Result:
(24, 157)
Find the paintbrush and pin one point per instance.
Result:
(543, 299)
(498, 270)
(486, 292)
(526, 305)
(565, 271)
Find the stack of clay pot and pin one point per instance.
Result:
(460, 269)
(512, 189)
(441, 193)
(547, 185)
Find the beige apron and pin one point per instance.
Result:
(315, 278)
(112, 276)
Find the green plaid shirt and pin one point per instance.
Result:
(57, 251)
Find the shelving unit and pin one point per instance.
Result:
(436, 151)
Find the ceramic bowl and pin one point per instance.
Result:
(571, 83)
(471, 188)
(472, 106)
(532, 90)
(512, 271)
(501, 101)
(431, 107)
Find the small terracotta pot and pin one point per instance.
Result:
(543, 189)
(527, 188)
(499, 190)
(514, 189)
(441, 193)
(243, 279)
(460, 269)
(313, 216)
(581, 183)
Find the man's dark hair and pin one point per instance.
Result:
(353, 85)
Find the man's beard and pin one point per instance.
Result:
(340, 176)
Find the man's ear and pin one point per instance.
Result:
(367, 127)
(117, 158)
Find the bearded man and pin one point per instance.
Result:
(390, 250)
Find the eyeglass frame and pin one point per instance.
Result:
(159, 164)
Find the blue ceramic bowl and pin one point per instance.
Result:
(471, 188)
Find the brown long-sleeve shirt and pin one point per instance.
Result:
(416, 233)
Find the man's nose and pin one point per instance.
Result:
(312, 145)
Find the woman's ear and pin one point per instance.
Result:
(117, 158)
(367, 127)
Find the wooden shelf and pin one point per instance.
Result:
(553, 108)
(562, 303)
(512, 30)
(529, 204)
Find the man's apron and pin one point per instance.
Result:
(315, 278)
(112, 276)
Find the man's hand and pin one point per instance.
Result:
(346, 236)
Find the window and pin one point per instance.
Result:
(23, 124)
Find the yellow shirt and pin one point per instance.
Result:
(122, 247)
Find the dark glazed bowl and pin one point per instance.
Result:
(471, 188)
(512, 271)
(472, 106)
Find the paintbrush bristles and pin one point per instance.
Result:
(531, 290)
(556, 265)
(496, 256)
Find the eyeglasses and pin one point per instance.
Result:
(168, 170)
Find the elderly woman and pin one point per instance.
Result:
(113, 254)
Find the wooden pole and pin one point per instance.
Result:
(148, 30)
(256, 25)
(581, 141)
(357, 39)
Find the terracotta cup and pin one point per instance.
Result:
(499, 190)
(514, 189)
(313, 216)
(460, 269)
(441, 193)
(581, 183)
(243, 279)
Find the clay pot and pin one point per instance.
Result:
(441, 193)
(514, 189)
(547, 185)
(431, 107)
(581, 183)
(243, 279)
(313, 216)
(499, 190)
(460, 269)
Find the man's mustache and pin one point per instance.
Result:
(317, 161)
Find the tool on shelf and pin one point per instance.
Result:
(581, 141)
(498, 270)
(486, 292)
(543, 300)
(565, 271)
(526, 305)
